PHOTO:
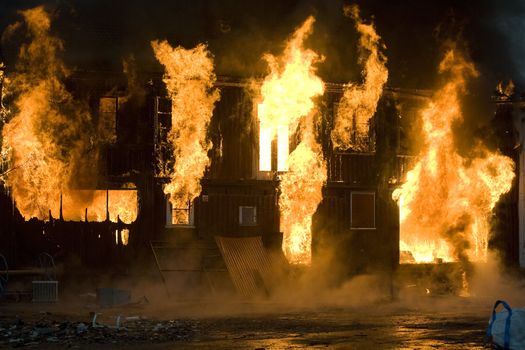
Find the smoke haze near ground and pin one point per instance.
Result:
(239, 34)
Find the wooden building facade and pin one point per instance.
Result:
(357, 218)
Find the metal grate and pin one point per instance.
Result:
(45, 291)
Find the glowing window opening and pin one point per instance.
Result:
(96, 205)
(179, 217)
(363, 140)
(269, 135)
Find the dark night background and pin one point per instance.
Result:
(99, 34)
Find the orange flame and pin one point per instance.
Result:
(119, 204)
(46, 141)
(446, 200)
(301, 193)
(287, 102)
(189, 78)
(359, 102)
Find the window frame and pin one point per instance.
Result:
(169, 214)
(368, 139)
(254, 216)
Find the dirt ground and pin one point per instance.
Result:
(362, 313)
(422, 323)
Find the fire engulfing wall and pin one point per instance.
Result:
(447, 199)
(359, 102)
(287, 106)
(50, 139)
(220, 156)
(189, 79)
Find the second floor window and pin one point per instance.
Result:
(362, 133)
(273, 147)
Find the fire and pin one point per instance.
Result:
(446, 201)
(189, 79)
(3, 82)
(44, 138)
(301, 193)
(124, 236)
(359, 102)
(98, 205)
(287, 105)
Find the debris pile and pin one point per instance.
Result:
(133, 329)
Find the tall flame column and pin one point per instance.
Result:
(287, 105)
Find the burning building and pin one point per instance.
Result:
(114, 162)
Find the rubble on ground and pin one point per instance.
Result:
(132, 329)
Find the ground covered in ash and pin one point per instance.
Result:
(422, 323)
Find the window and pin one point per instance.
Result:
(362, 134)
(163, 112)
(273, 146)
(362, 207)
(107, 119)
(95, 205)
(247, 216)
(181, 216)
(162, 127)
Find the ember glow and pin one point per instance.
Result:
(189, 79)
(359, 102)
(286, 107)
(446, 201)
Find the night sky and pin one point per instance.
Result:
(99, 34)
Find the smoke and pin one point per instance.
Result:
(98, 34)
(506, 21)
(492, 281)
(189, 79)
(359, 102)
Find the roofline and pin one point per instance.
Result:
(230, 81)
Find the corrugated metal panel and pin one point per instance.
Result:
(248, 263)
